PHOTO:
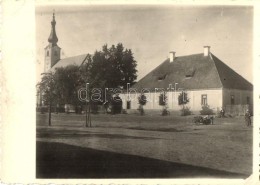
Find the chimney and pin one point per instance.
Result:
(172, 55)
(206, 51)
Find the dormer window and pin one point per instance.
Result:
(189, 73)
(161, 77)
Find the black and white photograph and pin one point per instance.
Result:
(144, 91)
(129, 92)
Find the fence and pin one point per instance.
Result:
(237, 110)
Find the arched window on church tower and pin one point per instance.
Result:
(47, 53)
(55, 53)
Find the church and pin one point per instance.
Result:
(204, 77)
(52, 56)
(53, 53)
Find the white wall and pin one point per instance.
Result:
(214, 99)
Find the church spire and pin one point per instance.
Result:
(53, 39)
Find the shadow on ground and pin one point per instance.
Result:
(56, 160)
(51, 134)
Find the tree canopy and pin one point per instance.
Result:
(112, 67)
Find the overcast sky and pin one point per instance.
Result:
(151, 32)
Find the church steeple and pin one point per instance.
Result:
(53, 39)
(52, 51)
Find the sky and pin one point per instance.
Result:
(151, 32)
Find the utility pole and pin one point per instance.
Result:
(88, 110)
(50, 109)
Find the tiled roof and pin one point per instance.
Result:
(229, 78)
(193, 72)
(76, 60)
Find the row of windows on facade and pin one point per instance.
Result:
(204, 100)
(55, 53)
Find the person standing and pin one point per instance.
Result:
(248, 118)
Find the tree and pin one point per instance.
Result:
(46, 85)
(61, 87)
(163, 102)
(113, 67)
(47, 91)
(68, 81)
(182, 101)
(142, 100)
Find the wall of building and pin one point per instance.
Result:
(52, 56)
(240, 97)
(214, 99)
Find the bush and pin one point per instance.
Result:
(163, 99)
(206, 110)
(185, 111)
(124, 111)
(165, 112)
(142, 100)
(141, 110)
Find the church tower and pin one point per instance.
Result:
(52, 51)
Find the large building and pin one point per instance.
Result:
(52, 56)
(205, 78)
(53, 53)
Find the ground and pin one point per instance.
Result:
(134, 146)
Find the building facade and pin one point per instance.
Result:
(205, 79)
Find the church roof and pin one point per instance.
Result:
(193, 72)
(75, 60)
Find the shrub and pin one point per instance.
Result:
(163, 99)
(163, 102)
(142, 100)
(183, 98)
(124, 111)
(165, 112)
(206, 110)
(185, 111)
(182, 101)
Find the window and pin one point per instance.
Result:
(189, 73)
(128, 105)
(55, 53)
(232, 99)
(162, 77)
(247, 100)
(48, 53)
(204, 100)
